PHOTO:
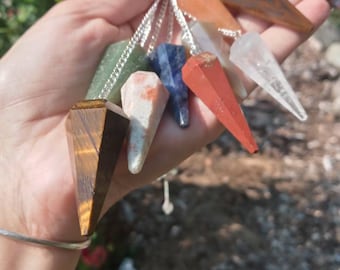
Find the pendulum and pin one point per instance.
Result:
(251, 55)
(213, 11)
(121, 60)
(211, 40)
(281, 12)
(167, 61)
(137, 61)
(205, 76)
(96, 130)
(143, 100)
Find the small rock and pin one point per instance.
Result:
(336, 90)
(127, 264)
(333, 54)
(336, 107)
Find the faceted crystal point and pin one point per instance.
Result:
(213, 12)
(96, 131)
(281, 12)
(204, 75)
(144, 99)
(252, 56)
(167, 60)
(210, 39)
(137, 61)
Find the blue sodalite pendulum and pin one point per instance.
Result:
(167, 61)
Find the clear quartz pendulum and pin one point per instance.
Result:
(251, 55)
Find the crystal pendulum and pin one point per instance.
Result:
(209, 39)
(251, 55)
(143, 100)
(137, 61)
(167, 60)
(128, 60)
(281, 12)
(205, 76)
(96, 131)
(213, 11)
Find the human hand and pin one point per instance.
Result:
(47, 71)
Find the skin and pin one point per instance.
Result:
(41, 77)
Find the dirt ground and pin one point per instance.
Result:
(275, 210)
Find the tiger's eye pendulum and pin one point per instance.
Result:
(281, 12)
(96, 131)
(213, 12)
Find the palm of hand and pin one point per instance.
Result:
(52, 66)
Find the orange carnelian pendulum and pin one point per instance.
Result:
(205, 77)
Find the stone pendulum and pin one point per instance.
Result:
(252, 56)
(121, 60)
(281, 12)
(213, 12)
(167, 61)
(137, 61)
(96, 130)
(205, 76)
(209, 39)
(144, 99)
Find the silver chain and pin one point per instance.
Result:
(225, 32)
(230, 33)
(187, 35)
(170, 30)
(143, 30)
(158, 26)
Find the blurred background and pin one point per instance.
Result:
(275, 210)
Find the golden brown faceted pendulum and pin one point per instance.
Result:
(96, 132)
(213, 12)
(281, 12)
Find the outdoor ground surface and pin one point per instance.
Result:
(275, 210)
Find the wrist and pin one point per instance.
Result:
(17, 255)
